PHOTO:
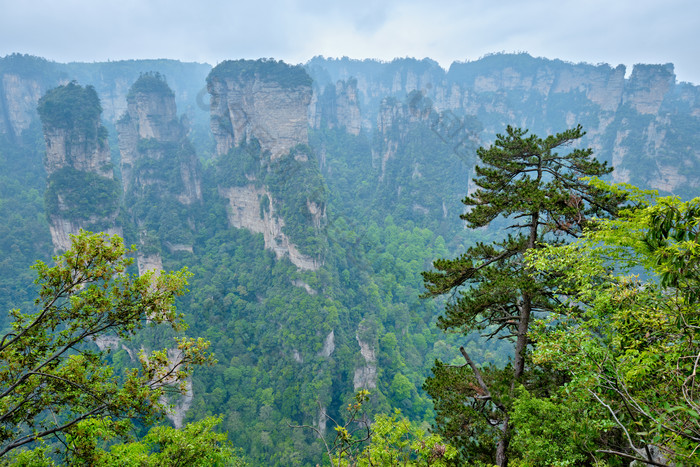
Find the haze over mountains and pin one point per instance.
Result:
(306, 200)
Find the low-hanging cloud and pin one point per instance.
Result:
(628, 32)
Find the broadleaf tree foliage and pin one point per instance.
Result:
(536, 185)
(628, 342)
(53, 375)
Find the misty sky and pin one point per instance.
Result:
(594, 31)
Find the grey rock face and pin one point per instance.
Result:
(77, 154)
(68, 148)
(153, 116)
(242, 110)
(249, 101)
(636, 123)
(18, 103)
(244, 213)
(156, 161)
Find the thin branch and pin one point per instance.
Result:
(614, 415)
(318, 433)
(44, 311)
(28, 439)
(480, 380)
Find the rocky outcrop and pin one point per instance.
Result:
(178, 410)
(62, 228)
(365, 376)
(635, 123)
(328, 345)
(158, 166)
(79, 150)
(264, 105)
(18, 99)
(322, 420)
(344, 87)
(648, 86)
(23, 80)
(149, 262)
(337, 107)
(246, 212)
(113, 96)
(81, 189)
(151, 130)
(265, 100)
(180, 404)
(601, 85)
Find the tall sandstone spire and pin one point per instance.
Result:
(160, 171)
(266, 170)
(81, 190)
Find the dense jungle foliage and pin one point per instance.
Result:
(289, 343)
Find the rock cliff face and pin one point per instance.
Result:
(18, 99)
(245, 213)
(266, 102)
(634, 123)
(648, 87)
(337, 107)
(365, 376)
(80, 150)
(159, 167)
(150, 127)
(24, 79)
(81, 191)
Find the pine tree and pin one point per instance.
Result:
(544, 200)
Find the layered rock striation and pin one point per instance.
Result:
(261, 99)
(23, 80)
(337, 107)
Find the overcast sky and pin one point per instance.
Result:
(593, 31)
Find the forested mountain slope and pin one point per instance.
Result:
(306, 200)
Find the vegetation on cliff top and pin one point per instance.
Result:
(151, 82)
(73, 108)
(29, 66)
(287, 76)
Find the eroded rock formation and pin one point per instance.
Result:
(633, 123)
(265, 102)
(81, 189)
(159, 167)
(365, 376)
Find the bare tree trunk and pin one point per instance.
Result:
(521, 342)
